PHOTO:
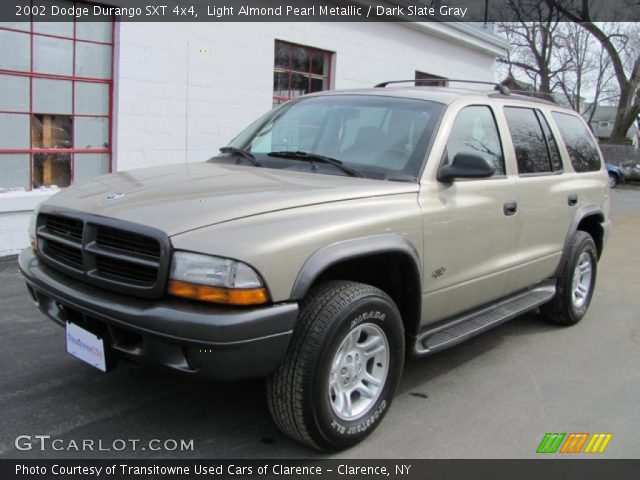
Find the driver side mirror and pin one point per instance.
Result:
(465, 165)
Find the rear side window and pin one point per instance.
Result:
(580, 146)
(532, 145)
(475, 131)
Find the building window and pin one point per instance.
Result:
(434, 80)
(299, 70)
(55, 102)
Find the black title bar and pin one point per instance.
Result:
(123, 469)
(313, 11)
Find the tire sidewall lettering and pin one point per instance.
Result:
(378, 312)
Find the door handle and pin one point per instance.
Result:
(572, 200)
(510, 208)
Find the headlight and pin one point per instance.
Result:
(215, 279)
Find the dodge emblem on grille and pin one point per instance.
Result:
(115, 196)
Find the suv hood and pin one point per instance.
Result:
(179, 198)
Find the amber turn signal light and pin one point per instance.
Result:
(229, 296)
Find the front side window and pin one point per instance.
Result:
(475, 131)
(55, 98)
(532, 153)
(376, 135)
(580, 146)
(299, 70)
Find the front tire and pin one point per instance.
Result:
(613, 180)
(575, 283)
(342, 368)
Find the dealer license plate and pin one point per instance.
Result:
(86, 346)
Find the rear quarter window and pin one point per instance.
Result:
(582, 150)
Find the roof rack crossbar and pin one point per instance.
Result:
(497, 86)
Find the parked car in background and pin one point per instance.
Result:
(631, 171)
(616, 175)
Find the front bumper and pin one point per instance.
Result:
(224, 343)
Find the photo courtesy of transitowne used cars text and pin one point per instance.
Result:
(335, 235)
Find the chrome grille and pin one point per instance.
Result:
(109, 253)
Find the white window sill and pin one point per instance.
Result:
(24, 201)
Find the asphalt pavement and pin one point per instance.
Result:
(494, 396)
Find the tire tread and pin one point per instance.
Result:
(286, 387)
(558, 309)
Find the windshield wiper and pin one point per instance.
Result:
(244, 153)
(314, 157)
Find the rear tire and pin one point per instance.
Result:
(613, 180)
(342, 368)
(575, 283)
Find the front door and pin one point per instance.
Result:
(469, 225)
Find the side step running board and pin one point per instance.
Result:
(458, 329)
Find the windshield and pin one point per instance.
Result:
(376, 136)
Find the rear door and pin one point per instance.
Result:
(547, 196)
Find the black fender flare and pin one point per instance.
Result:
(334, 253)
(582, 213)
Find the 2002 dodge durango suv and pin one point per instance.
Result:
(337, 233)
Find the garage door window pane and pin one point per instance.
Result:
(14, 171)
(92, 98)
(14, 131)
(93, 61)
(26, 26)
(91, 132)
(61, 29)
(51, 169)
(96, 31)
(14, 93)
(52, 55)
(51, 96)
(15, 51)
(89, 165)
(51, 131)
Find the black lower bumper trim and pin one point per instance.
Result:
(217, 342)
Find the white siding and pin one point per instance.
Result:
(230, 77)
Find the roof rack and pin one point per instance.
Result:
(497, 86)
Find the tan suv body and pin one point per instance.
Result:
(316, 276)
